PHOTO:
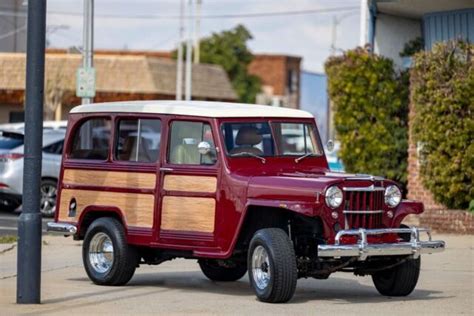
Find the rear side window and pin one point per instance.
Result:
(10, 140)
(138, 140)
(55, 148)
(91, 140)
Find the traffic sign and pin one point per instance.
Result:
(85, 83)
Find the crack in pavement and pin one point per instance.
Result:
(8, 249)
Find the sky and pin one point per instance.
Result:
(156, 27)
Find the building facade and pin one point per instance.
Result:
(280, 75)
(119, 78)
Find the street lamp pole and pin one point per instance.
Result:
(88, 44)
(189, 50)
(29, 222)
(179, 62)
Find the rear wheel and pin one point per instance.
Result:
(107, 257)
(48, 197)
(398, 281)
(220, 270)
(272, 265)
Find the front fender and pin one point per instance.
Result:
(406, 207)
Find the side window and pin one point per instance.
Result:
(55, 148)
(184, 141)
(91, 140)
(138, 140)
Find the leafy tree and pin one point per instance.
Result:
(229, 50)
(370, 103)
(442, 94)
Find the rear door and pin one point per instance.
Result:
(189, 184)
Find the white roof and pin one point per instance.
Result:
(192, 108)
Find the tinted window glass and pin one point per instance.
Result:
(248, 138)
(184, 141)
(91, 140)
(10, 140)
(138, 140)
(55, 148)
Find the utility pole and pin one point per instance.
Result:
(363, 22)
(197, 31)
(189, 49)
(179, 64)
(85, 87)
(29, 222)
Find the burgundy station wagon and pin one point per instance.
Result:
(237, 187)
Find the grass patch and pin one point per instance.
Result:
(8, 239)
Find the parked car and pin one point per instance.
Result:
(226, 186)
(47, 125)
(11, 169)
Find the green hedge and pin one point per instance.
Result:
(370, 104)
(442, 94)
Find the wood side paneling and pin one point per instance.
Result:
(138, 180)
(136, 208)
(188, 214)
(190, 183)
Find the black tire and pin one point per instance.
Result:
(398, 281)
(217, 270)
(281, 264)
(125, 257)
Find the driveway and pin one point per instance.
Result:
(446, 287)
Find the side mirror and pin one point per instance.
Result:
(204, 148)
(330, 146)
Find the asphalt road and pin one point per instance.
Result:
(8, 223)
(178, 287)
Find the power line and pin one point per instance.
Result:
(8, 34)
(204, 16)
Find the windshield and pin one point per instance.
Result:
(269, 139)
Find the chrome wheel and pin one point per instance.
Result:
(101, 253)
(261, 270)
(48, 198)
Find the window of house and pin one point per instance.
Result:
(91, 140)
(184, 141)
(138, 140)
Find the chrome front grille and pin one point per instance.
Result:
(363, 207)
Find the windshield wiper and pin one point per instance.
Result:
(246, 153)
(303, 157)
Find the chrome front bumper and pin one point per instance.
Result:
(61, 228)
(363, 249)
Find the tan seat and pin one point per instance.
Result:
(247, 138)
(185, 154)
(131, 152)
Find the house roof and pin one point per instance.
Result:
(193, 108)
(120, 74)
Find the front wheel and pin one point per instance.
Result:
(219, 270)
(399, 280)
(107, 257)
(272, 265)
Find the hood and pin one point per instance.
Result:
(305, 186)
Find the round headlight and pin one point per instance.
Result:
(333, 197)
(393, 196)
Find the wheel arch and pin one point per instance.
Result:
(92, 213)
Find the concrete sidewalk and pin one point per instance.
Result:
(446, 286)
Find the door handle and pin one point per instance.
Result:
(166, 169)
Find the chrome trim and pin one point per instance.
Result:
(163, 169)
(362, 212)
(61, 228)
(362, 249)
(371, 188)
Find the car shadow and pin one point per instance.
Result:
(336, 289)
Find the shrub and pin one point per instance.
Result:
(442, 95)
(370, 103)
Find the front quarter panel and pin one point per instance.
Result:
(406, 207)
